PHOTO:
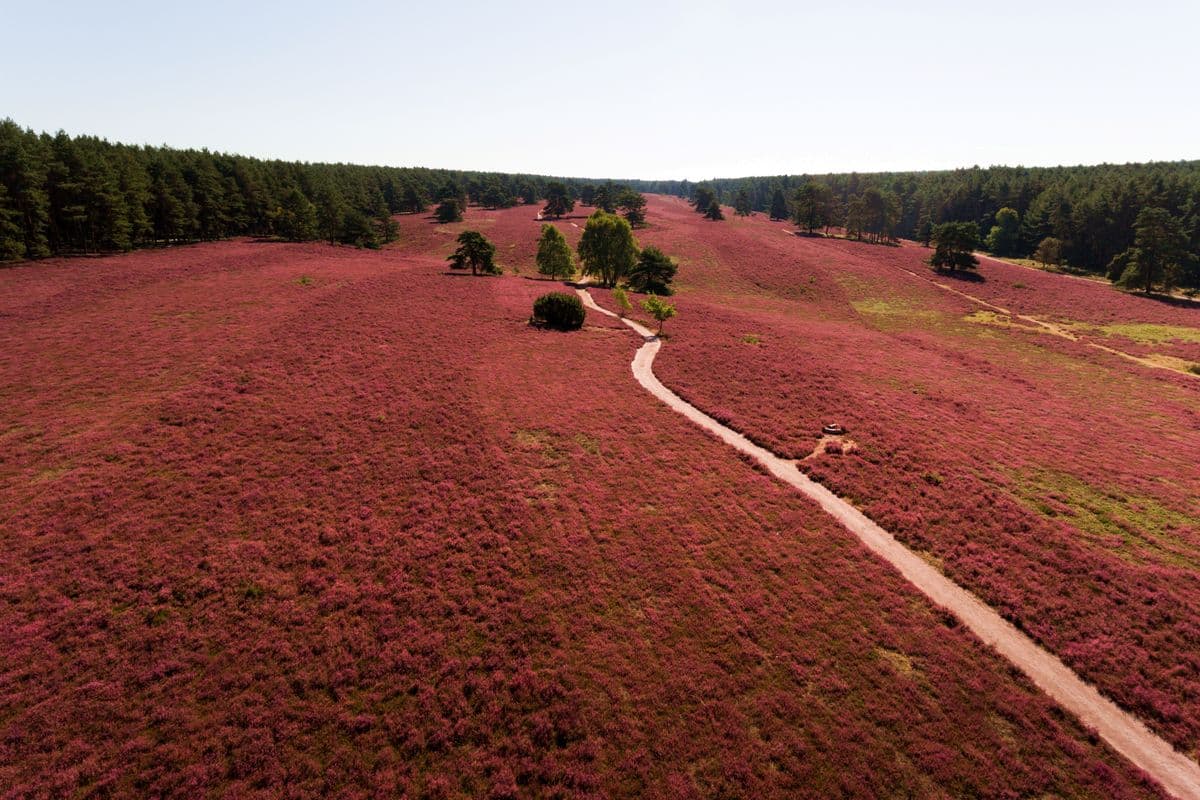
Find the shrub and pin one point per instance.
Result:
(622, 299)
(559, 310)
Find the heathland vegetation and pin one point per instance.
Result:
(489, 564)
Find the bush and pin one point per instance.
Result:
(559, 310)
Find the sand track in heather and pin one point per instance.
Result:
(1124, 732)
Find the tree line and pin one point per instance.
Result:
(66, 195)
(1090, 213)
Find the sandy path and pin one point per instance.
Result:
(1050, 327)
(1177, 773)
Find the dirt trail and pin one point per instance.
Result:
(1050, 327)
(1177, 773)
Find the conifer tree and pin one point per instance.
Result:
(779, 207)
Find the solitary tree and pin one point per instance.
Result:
(449, 210)
(703, 198)
(955, 243)
(633, 205)
(1049, 252)
(713, 211)
(741, 203)
(607, 247)
(659, 309)
(1005, 236)
(554, 256)
(1159, 245)
(812, 206)
(653, 272)
(474, 252)
(779, 207)
(558, 200)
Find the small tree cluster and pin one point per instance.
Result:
(1156, 258)
(813, 206)
(609, 252)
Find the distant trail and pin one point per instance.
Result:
(1177, 773)
(1049, 327)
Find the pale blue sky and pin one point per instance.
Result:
(619, 89)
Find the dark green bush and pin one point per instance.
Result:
(559, 310)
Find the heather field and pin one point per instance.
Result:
(299, 520)
(1055, 479)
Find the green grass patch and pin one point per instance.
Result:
(1134, 527)
(1147, 333)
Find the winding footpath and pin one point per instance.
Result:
(1177, 773)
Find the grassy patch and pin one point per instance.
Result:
(751, 338)
(898, 661)
(1134, 527)
(997, 320)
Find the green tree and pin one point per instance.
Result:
(554, 256)
(653, 272)
(1005, 236)
(925, 231)
(475, 253)
(779, 206)
(12, 242)
(356, 229)
(494, 196)
(741, 203)
(713, 211)
(704, 198)
(605, 197)
(812, 206)
(659, 309)
(558, 200)
(412, 200)
(449, 210)
(607, 247)
(633, 206)
(857, 217)
(296, 219)
(385, 228)
(1160, 243)
(954, 245)
(621, 297)
(331, 212)
(1049, 252)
